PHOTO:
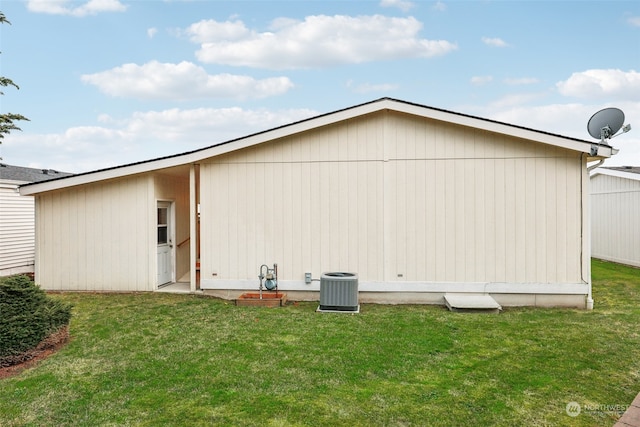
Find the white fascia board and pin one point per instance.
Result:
(305, 125)
(616, 173)
(289, 130)
(503, 128)
(604, 151)
(197, 156)
(9, 183)
(102, 175)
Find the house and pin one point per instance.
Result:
(418, 201)
(615, 207)
(17, 225)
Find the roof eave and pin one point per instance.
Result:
(603, 151)
(579, 145)
(599, 151)
(616, 173)
(199, 155)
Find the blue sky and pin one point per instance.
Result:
(110, 82)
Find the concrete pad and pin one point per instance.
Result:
(322, 310)
(175, 288)
(515, 300)
(472, 303)
(566, 301)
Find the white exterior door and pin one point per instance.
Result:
(165, 243)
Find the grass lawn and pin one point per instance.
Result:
(156, 359)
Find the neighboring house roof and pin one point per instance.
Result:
(22, 174)
(629, 172)
(628, 169)
(587, 147)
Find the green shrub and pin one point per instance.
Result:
(27, 316)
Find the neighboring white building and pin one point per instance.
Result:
(615, 206)
(17, 227)
(418, 201)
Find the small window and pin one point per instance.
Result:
(162, 216)
(163, 227)
(162, 235)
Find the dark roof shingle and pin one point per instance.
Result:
(20, 173)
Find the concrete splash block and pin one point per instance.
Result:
(472, 303)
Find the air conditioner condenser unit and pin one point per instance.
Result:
(339, 292)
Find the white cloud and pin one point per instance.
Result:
(61, 7)
(142, 136)
(521, 81)
(318, 41)
(440, 6)
(156, 80)
(209, 30)
(370, 87)
(481, 80)
(403, 5)
(602, 84)
(635, 21)
(494, 42)
(151, 32)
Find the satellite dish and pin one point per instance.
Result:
(605, 123)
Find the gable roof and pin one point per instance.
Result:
(23, 174)
(629, 172)
(382, 104)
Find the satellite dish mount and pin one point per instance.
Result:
(606, 123)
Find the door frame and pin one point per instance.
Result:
(171, 238)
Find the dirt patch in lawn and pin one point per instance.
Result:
(46, 348)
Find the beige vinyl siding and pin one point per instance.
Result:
(17, 229)
(615, 215)
(97, 237)
(262, 205)
(395, 198)
(480, 207)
